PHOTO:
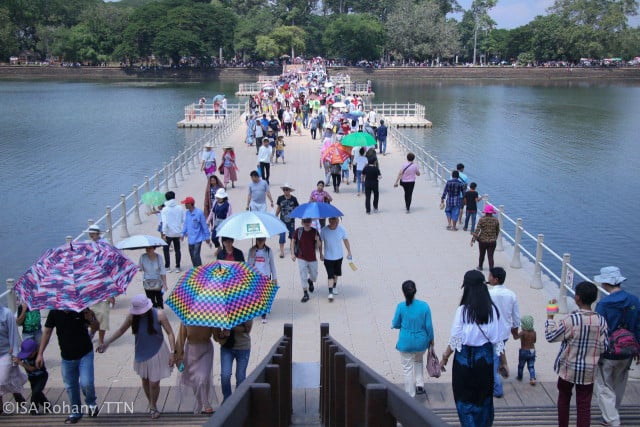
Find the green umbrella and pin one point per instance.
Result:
(358, 139)
(153, 198)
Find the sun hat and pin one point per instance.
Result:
(140, 304)
(221, 194)
(288, 186)
(189, 200)
(94, 229)
(28, 346)
(488, 209)
(610, 275)
(208, 145)
(228, 147)
(527, 323)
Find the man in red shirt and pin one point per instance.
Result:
(305, 242)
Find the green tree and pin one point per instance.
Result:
(607, 15)
(289, 38)
(354, 37)
(481, 19)
(267, 48)
(250, 26)
(8, 41)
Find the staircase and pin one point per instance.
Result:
(166, 419)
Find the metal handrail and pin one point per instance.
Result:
(188, 155)
(438, 172)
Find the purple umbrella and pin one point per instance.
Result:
(75, 276)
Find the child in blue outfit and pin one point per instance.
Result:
(345, 170)
(37, 376)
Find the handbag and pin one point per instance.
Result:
(433, 364)
(221, 169)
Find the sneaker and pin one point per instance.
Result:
(330, 297)
(533, 381)
(335, 291)
(169, 270)
(420, 390)
(305, 297)
(94, 410)
(375, 211)
(311, 287)
(178, 270)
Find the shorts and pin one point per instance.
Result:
(452, 212)
(280, 153)
(333, 267)
(290, 228)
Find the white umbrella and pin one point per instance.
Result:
(140, 241)
(339, 105)
(250, 225)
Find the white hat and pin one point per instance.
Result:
(610, 275)
(208, 145)
(140, 304)
(328, 125)
(287, 185)
(221, 194)
(94, 229)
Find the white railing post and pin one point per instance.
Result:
(435, 171)
(173, 173)
(194, 157)
(166, 176)
(68, 239)
(11, 296)
(515, 261)
(156, 178)
(499, 245)
(562, 300)
(147, 185)
(109, 225)
(124, 231)
(181, 166)
(136, 211)
(536, 281)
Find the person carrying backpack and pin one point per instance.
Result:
(620, 310)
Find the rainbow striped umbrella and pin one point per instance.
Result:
(222, 294)
(76, 275)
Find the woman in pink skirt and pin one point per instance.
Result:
(229, 165)
(152, 361)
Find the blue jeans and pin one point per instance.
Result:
(194, 252)
(383, 145)
(359, 181)
(226, 366)
(78, 374)
(291, 228)
(528, 357)
(497, 378)
(472, 216)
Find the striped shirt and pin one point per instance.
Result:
(584, 337)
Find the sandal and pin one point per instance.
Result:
(155, 414)
(208, 411)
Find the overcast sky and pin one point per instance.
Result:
(514, 13)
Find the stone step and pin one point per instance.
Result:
(168, 419)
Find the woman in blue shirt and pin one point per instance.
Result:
(413, 318)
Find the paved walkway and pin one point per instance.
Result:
(388, 248)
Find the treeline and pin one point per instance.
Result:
(171, 32)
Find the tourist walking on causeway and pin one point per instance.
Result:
(505, 300)
(11, 377)
(194, 350)
(76, 356)
(584, 337)
(371, 175)
(620, 310)
(208, 165)
(470, 201)
(320, 195)
(305, 242)
(229, 167)
(264, 160)
(486, 234)
(228, 252)
(262, 258)
(381, 135)
(332, 237)
(196, 229)
(152, 359)
(286, 203)
(258, 193)
(154, 279)
(407, 179)
(465, 182)
(413, 318)
(172, 218)
(220, 211)
(237, 346)
(476, 336)
(452, 191)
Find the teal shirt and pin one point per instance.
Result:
(414, 322)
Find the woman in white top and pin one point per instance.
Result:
(261, 257)
(475, 336)
(208, 165)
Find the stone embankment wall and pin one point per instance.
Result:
(357, 74)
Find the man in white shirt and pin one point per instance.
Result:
(287, 118)
(333, 236)
(505, 300)
(172, 218)
(264, 159)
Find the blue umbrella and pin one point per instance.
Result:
(315, 210)
(218, 98)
